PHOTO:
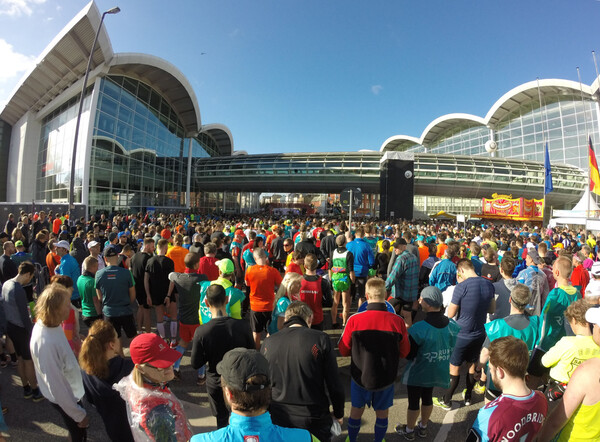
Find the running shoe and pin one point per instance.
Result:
(408, 435)
(466, 398)
(421, 432)
(173, 343)
(27, 392)
(38, 396)
(479, 388)
(439, 402)
(201, 380)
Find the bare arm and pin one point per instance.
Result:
(99, 295)
(492, 307)
(131, 294)
(147, 288)
(452, 310)
(573, 398)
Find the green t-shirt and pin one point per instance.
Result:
(114, 283)
(86, 285)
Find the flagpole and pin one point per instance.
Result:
(598, 80)
(543, 147)
(587, 213)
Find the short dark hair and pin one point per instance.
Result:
(216, 296)
(191, 259)
(310, 262)
(510, 354)
(465, 263)
(250, 401)
(26, 267)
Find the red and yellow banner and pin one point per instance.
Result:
(514, 208)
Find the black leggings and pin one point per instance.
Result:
(77, 434)
(419, 394)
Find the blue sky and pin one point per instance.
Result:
(307, 76)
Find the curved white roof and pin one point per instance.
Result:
(503, 106)
(443, 123)
(60, 65)
(165, 78)
(529, 91)
(222, 135)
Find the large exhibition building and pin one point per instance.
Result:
(142, 143)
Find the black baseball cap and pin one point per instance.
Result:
(110, 251)
(239, 365)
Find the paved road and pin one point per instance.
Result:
(29, 421)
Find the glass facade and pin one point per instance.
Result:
(139, 152)
(564, 120)
(56, 149)
(461, 141)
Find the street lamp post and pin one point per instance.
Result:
(114, 10)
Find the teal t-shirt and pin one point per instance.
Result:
(552, 324)
(431, 366)
(280, 307)
(114, 282)
(234, 295)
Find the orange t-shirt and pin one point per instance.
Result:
(423, 254)
(52, 260)
(441, 248)
(262, 281)
(177, 254)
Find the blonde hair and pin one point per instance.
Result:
(375, 288)
(48, 305)
(290, 285)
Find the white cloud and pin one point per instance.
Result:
(17, 8)
(13, 65)
(376, 89)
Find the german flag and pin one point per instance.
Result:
(594, 174)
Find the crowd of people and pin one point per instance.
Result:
(105, 308)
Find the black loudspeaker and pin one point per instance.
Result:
(397, 189)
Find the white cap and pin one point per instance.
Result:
(530, 245)
(93, 244)
(593, 315)
(63, 244)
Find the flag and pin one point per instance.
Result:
(548, 187)
(594, 175)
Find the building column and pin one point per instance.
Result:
(188, 184)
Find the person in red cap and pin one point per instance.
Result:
(154, 412)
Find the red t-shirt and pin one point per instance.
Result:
(580, 278)
(207, 267)
(262, 281)
(311, 293)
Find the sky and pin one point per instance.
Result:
(336, 75)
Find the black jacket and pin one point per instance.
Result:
(108, 402)
(215, 338)
(303, 370)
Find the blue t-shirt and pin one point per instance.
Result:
(254, 429)
(473, 296)
(69, 267)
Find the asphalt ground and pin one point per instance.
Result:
(29, 421)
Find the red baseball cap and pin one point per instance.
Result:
(149, 348)
(239, 232)
(166, 233)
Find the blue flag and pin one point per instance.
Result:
(548, 187)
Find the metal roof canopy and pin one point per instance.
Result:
(60, 65)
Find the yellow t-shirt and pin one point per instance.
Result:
(583, 425)
(568, 354)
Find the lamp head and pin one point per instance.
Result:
(114, 10)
